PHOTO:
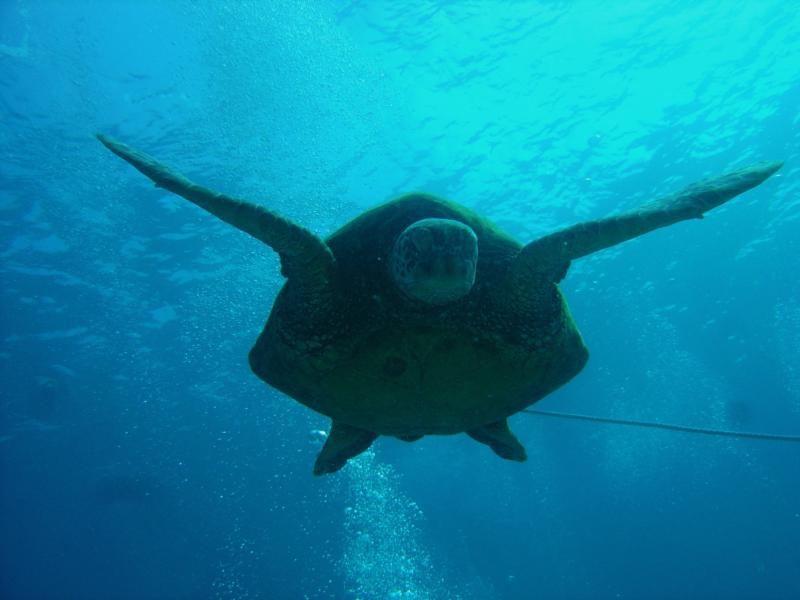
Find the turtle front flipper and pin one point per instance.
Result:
(552, 253)
(306, 258)
(499, 438)
(343, 443)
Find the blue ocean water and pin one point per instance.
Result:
(140, 458)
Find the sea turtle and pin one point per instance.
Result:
(421, 317)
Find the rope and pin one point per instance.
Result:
(721, 432)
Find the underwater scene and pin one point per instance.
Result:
(483, 389)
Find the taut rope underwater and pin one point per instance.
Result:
(720, 432)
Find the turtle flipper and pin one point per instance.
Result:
(499, 438)
(552, 253)
(307, 258)
(343, 443)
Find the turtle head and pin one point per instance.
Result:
(434, 260)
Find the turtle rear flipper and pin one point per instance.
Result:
(306, 258)
(552, 253)
(499, 438)
(343, 443)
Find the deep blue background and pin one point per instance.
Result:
(141, 459)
